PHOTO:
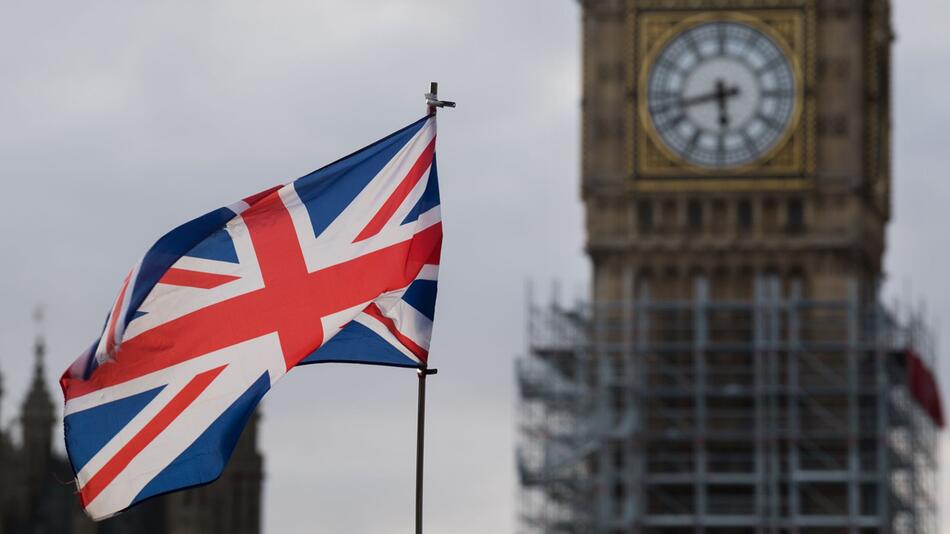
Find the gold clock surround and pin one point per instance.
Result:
(787, 165)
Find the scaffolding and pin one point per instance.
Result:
(773, 414)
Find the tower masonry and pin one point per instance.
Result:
(734, 370)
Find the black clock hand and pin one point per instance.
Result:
(688, 102)
(722, 94)
(701, 99)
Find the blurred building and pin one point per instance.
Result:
(735, 370)
(37, 492)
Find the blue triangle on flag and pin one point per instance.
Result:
(88, 431)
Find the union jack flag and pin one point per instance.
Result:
(337, 266)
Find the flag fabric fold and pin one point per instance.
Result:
(340, 265)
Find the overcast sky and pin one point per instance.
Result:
(120, 120)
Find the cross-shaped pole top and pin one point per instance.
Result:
(432, 99)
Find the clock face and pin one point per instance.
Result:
(721, 94)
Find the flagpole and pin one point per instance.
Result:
(432, 105)
(420, 442)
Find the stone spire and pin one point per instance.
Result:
(1, 402)
(38, 401)
(38, 417)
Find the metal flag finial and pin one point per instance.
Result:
(38, 315)
(432, 99)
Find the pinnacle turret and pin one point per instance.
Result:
(38, 406)
(1, 398)
(37, 418)
(38, 401)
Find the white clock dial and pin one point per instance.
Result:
(721, 94)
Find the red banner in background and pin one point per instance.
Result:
(923, 386)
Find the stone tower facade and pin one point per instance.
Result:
(37, 419)
(37, 493)
(812, 207)
(734, 371)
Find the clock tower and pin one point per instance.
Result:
(734, 153)
(734, 371)
(733, 138)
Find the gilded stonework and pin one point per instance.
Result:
(655, 168)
